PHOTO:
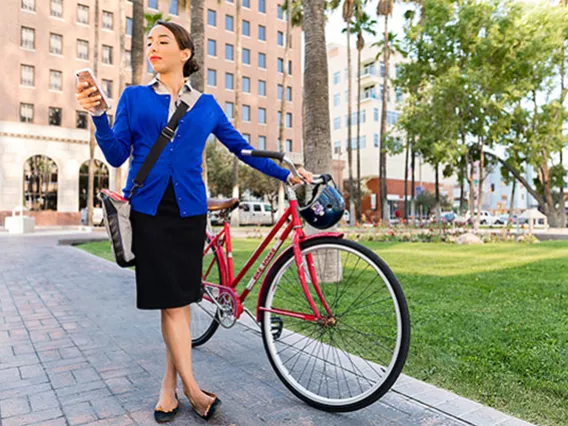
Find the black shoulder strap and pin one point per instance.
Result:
(165, 136)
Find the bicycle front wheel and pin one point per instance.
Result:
(351, 357)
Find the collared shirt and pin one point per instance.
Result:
(161, 89)
(141, 114)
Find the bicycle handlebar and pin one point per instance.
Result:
(281, 156)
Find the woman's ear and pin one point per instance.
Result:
(187, 55)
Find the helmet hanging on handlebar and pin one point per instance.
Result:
(326, 207)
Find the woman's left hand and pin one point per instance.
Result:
(307, 177)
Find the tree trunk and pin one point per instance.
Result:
(121, 79)
(413, 185)
(92, 140)
(471, 202)
(480, 184)
(316, 129)
(406, 155)
(383, 149)
(463, 173)
(237, 112)
(349, 134)
(358, 206)
(137, 42)
(438, 209)
(288, 37)
(512, 203)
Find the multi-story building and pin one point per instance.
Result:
(44, 135)
(372, 73)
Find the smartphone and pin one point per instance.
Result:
(86, 74)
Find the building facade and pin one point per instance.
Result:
(44, 135)
(372, 74)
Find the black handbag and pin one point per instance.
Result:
(116, 209)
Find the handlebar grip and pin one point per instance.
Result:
(264, 154)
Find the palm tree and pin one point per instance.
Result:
(316, 129)
(384, 9)
(288, 38)
(92, 140)
(137, 41)
(121, 74)
(361, 24)
(237, 108)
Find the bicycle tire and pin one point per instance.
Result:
(403, 328)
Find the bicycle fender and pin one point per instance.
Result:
(268, 274)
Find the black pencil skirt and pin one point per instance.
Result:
(168, 250)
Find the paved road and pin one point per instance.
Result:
(74, 350)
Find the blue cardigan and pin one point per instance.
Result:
(141, 115)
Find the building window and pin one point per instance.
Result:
(56, 8)
(27, 75)
(392, 117)
(279, 91)
(211, 18)
(27, 38)
(262, 87)
(280, 65)
(107, 88)
(376, 140)
(211, 77)
(28, 5)
(336, 123)
(55, 44)
(246, 3)
(129, 26)
(262, 60)
(229, 23)
(246, 56)
(40, 183)
(81, 120)
(262, 33)
(382, 69)
(26, 113)
(54, 80)
(246, 85)
(229, 81)
(128, 59)
(174, 8)
(101, 180)
(398, 93)
(336, 99)
(337, 147)
(108, 20)
(230, 109)
(82, 49)
(54, 116)
(262, 142)
(107, 55)
(336, 77)
(280, 12)
(280, 38)
(261, 115)
(153, 4)
(289, 67)
(211, 47)
(376, 114)
(246, 112)
(288, 145)
(262, 6)
(246, 137)
(278, 120)
(288, 120)
(246, 28)
(82, 14)
(289, 94)
(229, 52)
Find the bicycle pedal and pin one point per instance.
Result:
(276, 326)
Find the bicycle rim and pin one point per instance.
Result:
(351, 363)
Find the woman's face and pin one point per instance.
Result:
(163, 51)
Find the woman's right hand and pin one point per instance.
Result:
(87, 102)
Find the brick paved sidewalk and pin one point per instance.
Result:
(75, 350)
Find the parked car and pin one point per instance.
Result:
(97, 216)
(503, 219)
(255, 213)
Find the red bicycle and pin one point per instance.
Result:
(333, 316)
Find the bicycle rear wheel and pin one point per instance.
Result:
(354, 356)
(203, 323)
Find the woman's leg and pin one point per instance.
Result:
(167, 399)
(177, 336)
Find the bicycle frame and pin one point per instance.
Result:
(294, 226)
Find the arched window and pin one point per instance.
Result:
(40, 183)
(101, 182)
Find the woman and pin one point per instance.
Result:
(169, 211)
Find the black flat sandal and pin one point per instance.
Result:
(211, 409)
(163, 416)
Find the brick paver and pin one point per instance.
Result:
(75, 350)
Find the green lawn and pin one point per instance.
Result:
(488, 322)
